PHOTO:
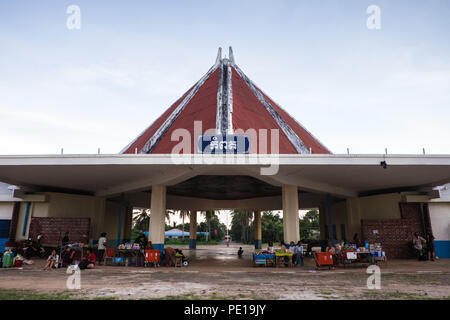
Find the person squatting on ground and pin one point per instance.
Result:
(88, 261)
(52, 261)
(67, 256)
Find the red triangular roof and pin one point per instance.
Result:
(225, 100)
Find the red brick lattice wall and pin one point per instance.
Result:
(395, 235)
(54, 229)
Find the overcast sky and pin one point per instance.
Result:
(101, 85)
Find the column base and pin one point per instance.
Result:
(192, 243)
(258, 244)
(159, 246)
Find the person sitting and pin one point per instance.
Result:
(142, 240)
(270, 247)
(283, 247)
(89, 259)
(67, 256)
(418, 243)
(52, 261)
(240, 252)
(149, 246)
(330, 248)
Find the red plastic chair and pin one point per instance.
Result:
(152, 257)
(110, 254)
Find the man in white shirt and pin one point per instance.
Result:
(102, 244)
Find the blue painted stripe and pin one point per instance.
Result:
(258, 244)
(192, 243)
(330, 219)
(119, 228)
(25, 222)
(442, 248)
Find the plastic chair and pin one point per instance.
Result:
(152, 257)
(109, 254)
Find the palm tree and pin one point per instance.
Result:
(209, 214)
(244, 218)
(141, 220)
(183, 214)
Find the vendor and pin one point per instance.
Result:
(102, 245)
(330, 248)
(91, 258)
(67, 256)
(270, 247)
(356, 240)
(150, 246)
(299, 258)
(142, 240)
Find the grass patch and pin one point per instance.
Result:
(371, 292)
(11, 294)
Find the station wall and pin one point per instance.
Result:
(440, 224)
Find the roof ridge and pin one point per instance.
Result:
(151, 143)
(303, 127)
(298, 144)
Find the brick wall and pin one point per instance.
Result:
(395, 235)
(54, 229)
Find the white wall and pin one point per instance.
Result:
(440, 220)
(6, 209)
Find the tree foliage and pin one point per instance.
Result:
(309, 225)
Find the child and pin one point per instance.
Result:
(52, 261)
(240, 251)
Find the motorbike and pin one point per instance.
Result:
(33, 249)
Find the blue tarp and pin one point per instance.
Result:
(179, 234)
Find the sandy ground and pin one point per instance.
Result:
(216, 272)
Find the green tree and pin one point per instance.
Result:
(241, 227)
(141, 220)
(209, 214)
(271, 227)
(309, 225)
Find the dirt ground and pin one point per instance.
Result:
(215, 272)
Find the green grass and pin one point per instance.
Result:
(10, 294)
(186, 242)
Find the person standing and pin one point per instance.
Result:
(299, 254)
(65, 239)
(102, 244)
(293, 250)
(418, 242)
(430, 245)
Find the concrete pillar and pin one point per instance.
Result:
(353, 218)
(257, 229)
(290, 213)
(193, 229)
(323, 221)
(157, 217)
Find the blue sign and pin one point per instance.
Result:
(223, 144)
